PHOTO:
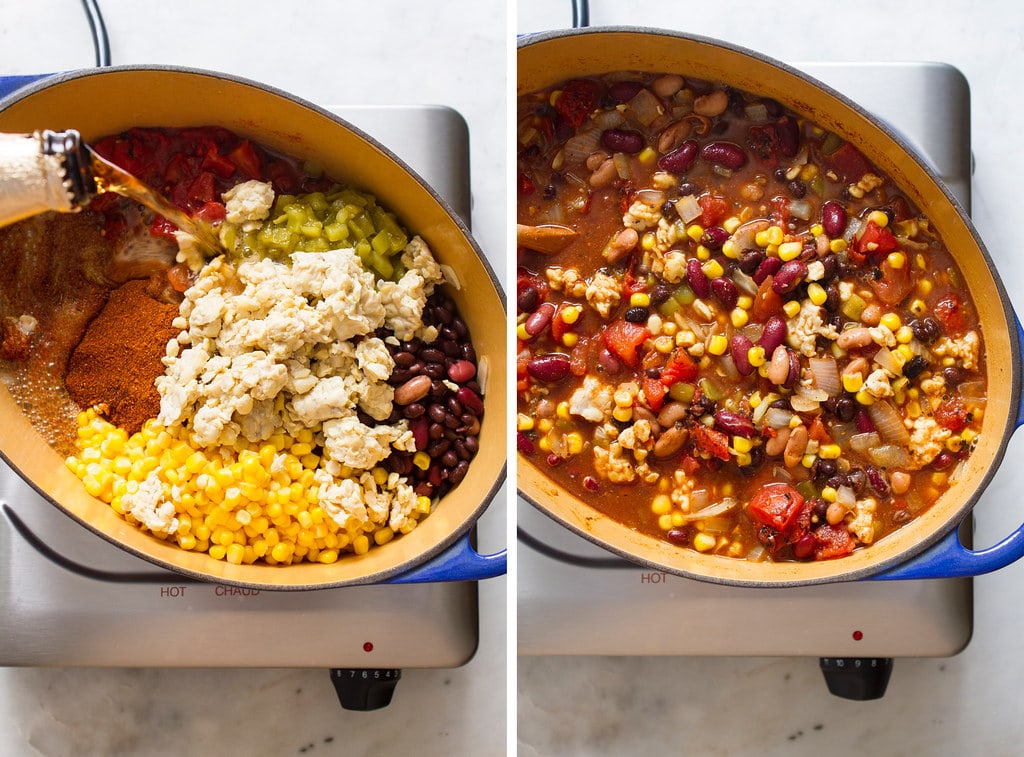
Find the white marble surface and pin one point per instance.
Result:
(967, 704)
(382, 52)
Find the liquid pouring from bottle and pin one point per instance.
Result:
(55, 171)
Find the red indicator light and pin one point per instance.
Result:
(368, 646)
(858, 635)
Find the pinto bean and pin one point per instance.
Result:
(795, 446)
(604, 174)
(670, 441)
(712, 104)
(672, 413)
(620, 247)
(779, 368)
(673, 135)
(776, 445)
(858, 336)
(413, 390)
(667, 85)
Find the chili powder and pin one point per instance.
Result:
(120, 356)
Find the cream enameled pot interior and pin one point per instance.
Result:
(547, 59)
(108, 101)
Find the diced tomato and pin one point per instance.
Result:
(875, 241)
(211, 212)
(200, 191)
(631, 284)
(849, 163)
(680, 367)
(710, 441)
(894, 284)
(161, 227)
(284, 176)
(690, 464)
(654, 393)
(818, 432)
(623, 339)
(951, 312)
(714, 209)
(831, 541)
(953, 414)
(217, 164)
(766, 302)
(777, 505)
(245, 157)
(578, 98)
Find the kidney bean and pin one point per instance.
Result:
(611, 364)
(539, 319)
(773, 334)
(681, 159)
(413, 390)
(789, 276)
(678, 536)
(833, 218)
(734, 424)
(623, 140)
(725, 154)
(697, 279)
(470, 400)
(420, 428)
(877, 481)
(623, 91)
(788, 133)
(750, 260)
(725, 292)
(461, 371)
(863, 422)
(714, 237)
(769, 267)
(739, 348)
(527, 299)
(804, 547)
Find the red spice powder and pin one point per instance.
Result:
(119, 358)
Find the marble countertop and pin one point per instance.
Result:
(387, 52)
(967, 704)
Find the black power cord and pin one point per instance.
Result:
(580, 14)
(100, 42)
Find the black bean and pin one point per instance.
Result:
(436, 430)
(436, 413)
(449, 459)
(952, 375)
(404, 359)
(458, 472)
(438, 448)
(472, 443)
(527, 299)
(432, 355)
(413, 410)
(637, 315)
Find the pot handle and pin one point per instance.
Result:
(460, 562)
(949, 558)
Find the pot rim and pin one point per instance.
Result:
(1008, 325)
(438, 547)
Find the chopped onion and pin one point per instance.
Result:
(757, 554)
(653, 197)
(801, 209)
(756, 112)
(687, 208)
(862, 443)
(889, 456)
(580, 146)
(852, 228)
(887, 360)
(727, 505)
(777, 417)
(645, 107)
(826, 374)
(805, 403)
(972, 390)
(744, 283)
(622, 165)
(843, 432)
(609, 119)
(846, 497)
(889, 423)
(699, 498)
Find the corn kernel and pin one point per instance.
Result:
(924, 286)
(761, 238)
(837, 245)
(717, 344)
(524, 422)
(218, 551)
(791, 308)
(816, 292)
(713, 269)
(817, 230)
(968, 435)
(864, 397)
(738, 317)
(731, 250)
(623, 414)
(756, 356)
(918, 307)
(647, 156)
(829, 451)
(879, 218)
(545, 424)
(740, 444)
(790, 250)
(522, 334)
(703, 542)
(574, 441)
(852, 382)
(661, 504)
(829, 494)
(896, 260)
(664, 344)
(731, 223)
(571, 313)
(562, 410)
(639, 299)
(904, 335)
(891, 321)
(807, 461)
(743, 458)
(570, 339)
(695, 231)
(648, 241)
(421, 460)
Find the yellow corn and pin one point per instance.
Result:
(717, 344)
(647, 156)
(837, 245)
(891, 321)
(661, 504)
(562, 410)
(896, 259)
(852, 382)
(738, 317)
(695, 231)
(623, 414)
(524, 422)
(829, 494)
(791, 308)
(880, 218)
(829, 451)
(816, 292)
(713, 269)
(790, 250)
(731, 223)
(703, 542)
(639, 300)
(756, 356)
